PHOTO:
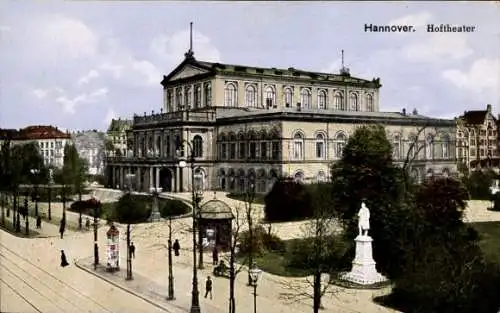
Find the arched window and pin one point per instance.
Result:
(170, 101)
(446, 147)
(339, 101)
(288, 95)
(320, 146)
(167, 151)
(197, 96)
(298, 146)
(396, 146)
(230, 95)
(353, 99)
(413, 146)
(178, 98)
(187, 94)
(429, 148)
(369, 103)
(208, 94)
(270, 97)
(305, 98)
(340, 142)
(322, 99)
(197, 146)
(251, 96)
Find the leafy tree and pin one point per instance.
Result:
(130, 210)
(74, 173)
(288, 200)
(366, 173)
(454, 275)
(478, 184)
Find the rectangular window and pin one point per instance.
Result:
(263, 150)
(232, 151)
(241, 151)
(473, 152)
(275, 150)
(253, 151)
(473, 142)
(223, 151)
(482, 152)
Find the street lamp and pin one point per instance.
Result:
(35, 173)
(250, 198)
(171, 295)
(254, 273)
(196, 198)
(51, 181)
(97, 205)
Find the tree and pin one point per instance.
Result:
(366, 173)
(130, 210)
(289, 194)
(478, 184)
(74, 172)
(321, 251)
(234, 270)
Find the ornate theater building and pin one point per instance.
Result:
(251, 125)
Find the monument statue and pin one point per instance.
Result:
(364, 220)
(51, 176)
(363, 270)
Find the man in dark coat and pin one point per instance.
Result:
(208, 287)
(132, 250)
(62, 227)
(64, 262)
(38, 222)
(176, 247)
(215, 255)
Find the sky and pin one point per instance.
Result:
(78, 64)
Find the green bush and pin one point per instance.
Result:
(288, 200)
(496, 201)
(259, 198)
(172, 207)
(478, 184)
(262, 242)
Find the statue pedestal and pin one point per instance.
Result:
(363, 270)
(155, 211)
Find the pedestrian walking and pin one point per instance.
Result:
(208, 287)
(87, 223)
(64, 262)
(38, 222)
(215, 255)
(132, 250)
(176, 247)
(62, 227)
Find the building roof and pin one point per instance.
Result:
(119, 125)
(477, 117)
(215, 210)
(291, 72)
(36, 132)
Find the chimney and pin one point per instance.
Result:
(488, 108)
(404, 111)
(415, 112)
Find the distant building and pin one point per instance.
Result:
(49, 139)
(249, 125)
(478, 140)
(90, 147)
(117, 136)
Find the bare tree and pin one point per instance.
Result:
(234, 269)
(249, 199)
(322, 254)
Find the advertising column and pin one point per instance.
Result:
(113, 248)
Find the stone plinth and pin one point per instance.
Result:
(363, 270)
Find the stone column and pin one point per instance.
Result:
(138, 178)
(122, 175)
(151, 175)
(177, 178)
(157, 180)
(113, 175)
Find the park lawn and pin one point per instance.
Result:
(490, 239)
(9, 227)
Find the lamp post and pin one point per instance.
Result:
(26, 211)
(35, 172)
(250, 197)
(51, 181)
(97, 207)
(171, 295)
(195, 197)
(254, 273)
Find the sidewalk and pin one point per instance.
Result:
(147, 289)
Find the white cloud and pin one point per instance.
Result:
(69, 104)
(4, 28)
(40, 93)
(417, 20)
(60, 36)
(482, 76)
(111, 114)
(171, 47)
(439, 45)
(88, 77)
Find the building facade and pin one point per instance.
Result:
(90, 147)
(116, 136)
(252, 125)
(478, 140)
(49, 139)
